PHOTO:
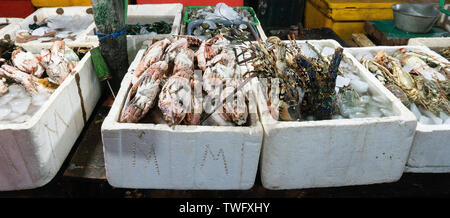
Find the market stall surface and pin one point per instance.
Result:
(83, 175)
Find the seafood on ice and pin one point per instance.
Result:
(27, 80)
(419, 80)
(188, 78)
(309, 81)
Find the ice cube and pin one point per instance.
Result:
(359, 86)
(358, 115)
(386, 112)
(380, 99)
(447, 121)
(4, 111)
(433, 117)
(365, 99)
(337, 117)
(40, 98)
(32, 110)
(7, 97)
(352, 76)
(425, 120)
(374, 113)
(11, 116)
(444, 116)
(327, 51)
(308, 51)
(342, 81)
(20, 105)
(415, 111)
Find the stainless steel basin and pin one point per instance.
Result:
(415, 18)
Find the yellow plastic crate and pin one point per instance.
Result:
(346, 17)
(60, 3)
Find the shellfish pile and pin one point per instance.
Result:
(27, 80)
(170, 76)
(419, 80)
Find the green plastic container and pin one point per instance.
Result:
(188, 8)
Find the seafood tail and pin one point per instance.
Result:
(334, 65)
(325, 105)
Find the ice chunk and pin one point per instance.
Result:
(342, 81)
(444, 116)
(380, 99)
(358, 115)
(11, 116)
(32, 110)
(374, 112)
(308, 51)
(327, 51)
(433, 117)
(386, 112)
(20, 105)
(347, 111)
(359, 86)
(4, 111)
(425, 120)
(40, 98)
(337, 117)
(415, 110)
(14, 91)
(365, 99)
(352, 76)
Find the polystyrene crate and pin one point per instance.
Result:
(329, 153)
(156, 156)
(431, 148)
(31, 153)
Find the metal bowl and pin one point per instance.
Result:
(415, 18)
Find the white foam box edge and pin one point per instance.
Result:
(31, 153)
(431, 148)
(332, 153)
(8, 28)
(433, 43)
(146, 14)
(45, 12)
(156, 156)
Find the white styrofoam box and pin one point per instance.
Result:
(147, 14)
(330, 153)
(6, 29)
(433, 43)
(431, 148)
(43, 13)
(156, 156)
(32, 152)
